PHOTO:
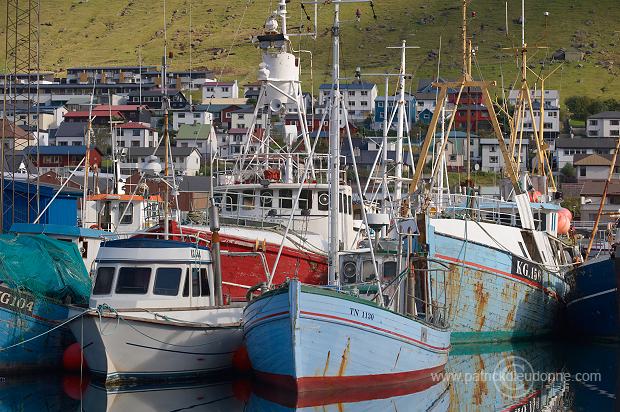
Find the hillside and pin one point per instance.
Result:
(112, 32)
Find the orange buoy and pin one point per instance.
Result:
(72, 358)
(564, 211)
(563, 224)
(241, 360)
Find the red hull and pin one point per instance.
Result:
(248, 271)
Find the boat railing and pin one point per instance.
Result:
(272, 167)
(478, 208)
(428, 297)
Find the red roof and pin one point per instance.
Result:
(98, 113)
(120, 107)
(134, 125)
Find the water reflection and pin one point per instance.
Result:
(527, 377)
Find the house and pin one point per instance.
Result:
(251, 90)
(55, 158)
(604, 124)
(108, 74)
(153, 98)
(491, 159)
(190, 80)
(184, 160)
(70, 134)
(15, 137)
(551, 113)
(594, 166)
(200, 136)
(130, 112)
(456, 148)
(219, 113)
(134, 134)
(591, 195)
(220, 90)
(235, 140)
(197, 114)
(243, 118)
(99, 117)
(410, 111)
(566, 148)
(359, 98)
(44, 115)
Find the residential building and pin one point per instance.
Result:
(99, 117)
(130, 112)
(135, 134)
(566, 148)
(251, 90)
(234, 141)
(190, 80)
(183, 160)
(456, 149)
(491, 159)
(153, 98)
(243, 118)
(594, 166)
(604, 124)
(551, 123)
(358, 97)
(70, 134)
(15, 137)
(198, 114)
(410, 111)
(57, 158)
(551, 96)
(591, 195)
(200, 136)
(107, 74)
(220, 90)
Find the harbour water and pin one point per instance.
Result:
(541, 376)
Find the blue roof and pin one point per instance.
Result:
(58, 150)
(62, 230)
(457, 134)
(345, 86)
(150, 243)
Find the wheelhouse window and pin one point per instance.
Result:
(231, 202)
(103, 281)
(286, 198)
(200, 282)
(167, 281)
(126, 211)
(133, 281)
(305, 199)
(389, 269)
(368, 271)
(247, 199)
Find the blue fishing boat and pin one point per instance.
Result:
(505, 281)
(592, 308)
(39, 277)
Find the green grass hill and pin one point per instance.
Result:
(114, 32)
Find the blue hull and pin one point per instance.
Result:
(592, 310)
(487, 301)
(22, 317)
(308, 338)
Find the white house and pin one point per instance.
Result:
(200, 136)
(566, 148)
(591, 195)
(234, 141)
(220, 90)
(136, 134)
(195, 115)
(491, 159)
(242, 118)
(359, 98)
(551, 122)
(69, 134)
(594, 166)
(551, 96)
(604, 124)
(185, 160)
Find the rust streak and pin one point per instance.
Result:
(480, 389)
(345, 358)
(482, 300)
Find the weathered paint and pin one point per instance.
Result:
(292, 330)
(486, 301)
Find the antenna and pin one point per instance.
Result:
(523, 23)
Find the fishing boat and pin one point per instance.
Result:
(39, 277)
(507, 259)
(155, 313)
(273, 194)
(592, 310)
(312, 338)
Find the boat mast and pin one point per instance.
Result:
(334, 153)
(164, 102)
(398, 188)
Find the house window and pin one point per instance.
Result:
(76, 144)
(224, 89)
(228, 114)
(351, 92)
(241, 125)
(548, 125)
(492, 149)
(364, 92)
(582, 171)
(364, 103)
(614, 132)
(379, 104)
(593, 122)
(493, 159)
(196, 115)
(135, 132)
(210, 89)
(135, 143)
(592, 132)
(62, 143)
(241, 116)
(453, 158)
(181, 115)
(351, 103)
(614, 122)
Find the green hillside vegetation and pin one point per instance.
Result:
(114, 32)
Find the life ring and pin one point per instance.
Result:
(97, 227)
